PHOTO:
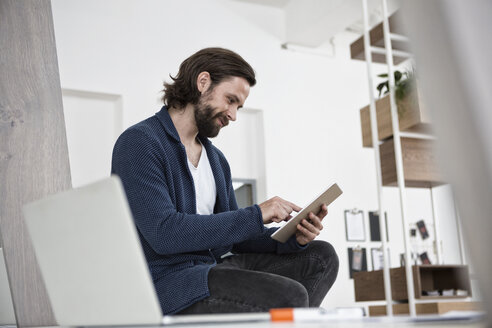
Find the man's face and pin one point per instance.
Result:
(218, 106)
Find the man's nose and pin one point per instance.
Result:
(232, 113)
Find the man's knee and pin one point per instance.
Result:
(328, 259)
(292, 294)
(325, 251)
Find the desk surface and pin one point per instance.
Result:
(314, 325)
(330, 325)
(451, 319)
(371, 322)
(333, 324)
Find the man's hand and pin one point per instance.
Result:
(308, 230)
(277, 209)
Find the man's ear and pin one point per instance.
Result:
(203, 81)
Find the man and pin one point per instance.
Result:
(180, 192)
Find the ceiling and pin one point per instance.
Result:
(311, 23)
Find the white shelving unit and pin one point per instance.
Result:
(375, 142)
(390, 53)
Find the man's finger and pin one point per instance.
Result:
(283, 214)
(309, 226)
(295, 207)
(286, 207)
(323, 212)
(316, 221)
(310, 235)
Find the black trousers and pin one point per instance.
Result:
(259, 282)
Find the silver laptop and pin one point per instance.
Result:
(91, 259)
(92, 262)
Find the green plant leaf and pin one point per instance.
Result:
(381, 86)
(398, 76)
(404, 83)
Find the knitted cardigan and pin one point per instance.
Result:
(181, 246)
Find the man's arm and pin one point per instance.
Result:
(263, 243)
(307, 231)
(136, 161)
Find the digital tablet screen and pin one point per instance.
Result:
(327, 197)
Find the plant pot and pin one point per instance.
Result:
(412, 118)
(419, 163)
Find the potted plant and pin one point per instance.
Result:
(404, 89)
(417, 154)
(412, 116)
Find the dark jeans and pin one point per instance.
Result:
(259, 282)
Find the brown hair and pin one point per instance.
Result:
(220, 63)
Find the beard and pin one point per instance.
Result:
(206, 121)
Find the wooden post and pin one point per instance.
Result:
(33, 146)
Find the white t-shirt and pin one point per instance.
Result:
(205, 189)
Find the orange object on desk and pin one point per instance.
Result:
(286, 314)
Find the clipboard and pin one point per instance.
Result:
(354, 225)
(327, 197)
(357, 260)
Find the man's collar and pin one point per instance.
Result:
(167, 123)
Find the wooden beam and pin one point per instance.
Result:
(33, 147)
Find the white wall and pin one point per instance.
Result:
(244, 146)
(310, 103)
(93, 122)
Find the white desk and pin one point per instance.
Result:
(453, 324)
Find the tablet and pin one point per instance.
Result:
(327, 197)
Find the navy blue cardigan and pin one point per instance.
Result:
(181, 246)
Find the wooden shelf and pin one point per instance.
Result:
(426, 308)
(369, 285)
(376, 35)
(419, 163)
(413, 118)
